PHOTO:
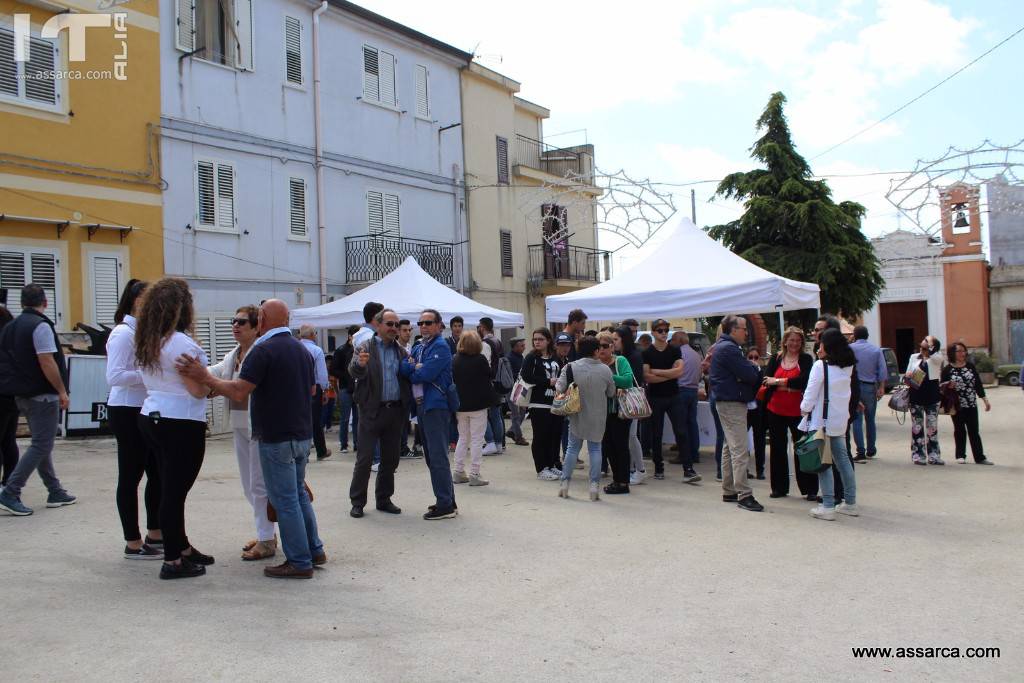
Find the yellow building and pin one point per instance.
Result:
(531, 206)
(80, 195)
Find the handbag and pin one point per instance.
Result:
(521, 392)
(899, 399)
(568, 402)
(633, 403)
(762, 393)
(272, 513)
(949, 400)
(451, 396)
(814, 449)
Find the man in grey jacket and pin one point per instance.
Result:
(384, 398)
(596, 386)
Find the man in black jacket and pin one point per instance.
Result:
(33, 371)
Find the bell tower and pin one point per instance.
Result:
(964, 267)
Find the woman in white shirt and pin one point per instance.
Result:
(243, 327)
(173, 416)
(134, 457)
(836, 353)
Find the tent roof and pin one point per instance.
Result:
(688, 276)
(408, 290)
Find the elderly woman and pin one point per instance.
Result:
(924, 372)
(962, 377)
(596, 386)
(472, 376)
(785, 379)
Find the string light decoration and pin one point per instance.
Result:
(632, 209)
(917, 195)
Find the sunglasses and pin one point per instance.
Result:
(606, 346)
(662, 330)
(754, 357)
(239, 322)
(389, 323)
(421, 323)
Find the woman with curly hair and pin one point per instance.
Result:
(173, 416)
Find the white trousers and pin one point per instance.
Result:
(250, 471)
(636, 454)
(472, 426)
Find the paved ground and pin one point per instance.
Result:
(665, 584)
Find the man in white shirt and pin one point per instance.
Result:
(369, 328)
(307, 335)
(33, 370)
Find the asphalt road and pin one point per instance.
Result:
(667, 583)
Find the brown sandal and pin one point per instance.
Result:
(261, 551)
(250, 544)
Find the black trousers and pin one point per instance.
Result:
(756, 421)
(385, 427)
(316, 407)
(134, 458)
(673, 407)
(8, 438)
(615, 446)
(778, 426)
(180, 446)
(965, 425)
(547, 438)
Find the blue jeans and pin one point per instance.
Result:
(565, 437)
(719, 438)
(688, 399)
(434, 426)
(328, 413)
(346, 409)
(573, 452)
(826, 482)
(284, 471)
(495, 426)
(42, 417)
(867, 397)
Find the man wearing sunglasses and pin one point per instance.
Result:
(663, 364)
(429, 369)
(384, 398)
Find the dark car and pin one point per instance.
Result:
(891, 365)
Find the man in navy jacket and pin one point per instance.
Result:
(734, 382)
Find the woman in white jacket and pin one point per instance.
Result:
(836, 352)
(243, 327)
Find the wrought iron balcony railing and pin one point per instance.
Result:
(557, 161)
(569, 263)
(368, 258)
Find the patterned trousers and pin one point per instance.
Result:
(924, 434)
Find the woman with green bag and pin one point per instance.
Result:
(826, 406)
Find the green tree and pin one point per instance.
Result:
(792, 227)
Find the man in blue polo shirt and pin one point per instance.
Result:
(278, 373)
(871, 371)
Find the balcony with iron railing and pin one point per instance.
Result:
(582, 264)
(562, 162)
(368, 258)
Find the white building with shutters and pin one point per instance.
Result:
(238, 152)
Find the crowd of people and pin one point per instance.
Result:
(610, 388)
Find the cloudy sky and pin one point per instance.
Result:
(670, 90)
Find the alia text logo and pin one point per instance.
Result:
(76, 25)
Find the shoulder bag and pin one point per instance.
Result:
(568, 402)
(633, 404)
(814, 450)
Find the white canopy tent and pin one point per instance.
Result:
(408, 290)
(690, 275)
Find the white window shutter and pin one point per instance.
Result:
(185, 25)
(371, 74)
(13, 272)
(44, 273)
(225, 196)
(8, 67)
(106, 287)
(206, 202)
(293, 50)
(42, 60)
(243, 31)
(297, 206)
(19, 266)
(422, 91)
(375, 212)
(388, 93)
(392, 211)
(223, 339)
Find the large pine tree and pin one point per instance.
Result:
(792, 227)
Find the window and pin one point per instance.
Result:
(218, 31)
(293, 50)
(105, 281)
(297, 207)
(213, 333)
(502, 161)
(506, 253)
(379, 77)
(422, 75)
(215, 194)
(23, 81)
(20, 266)
(383, 213)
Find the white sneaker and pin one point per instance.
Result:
(594, 491)
(476, 480)
(490, 449)
(374, 467)
(547, 475)
(962, 461)
(555, 471)
(850, 510)
(822, 512)
(637, 477)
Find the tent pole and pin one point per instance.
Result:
(782, 326)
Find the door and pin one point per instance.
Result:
(556, 241)
(906, 345)
(1017, 337)
(903, 324)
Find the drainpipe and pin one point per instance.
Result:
(319, 160)
(469, 284)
